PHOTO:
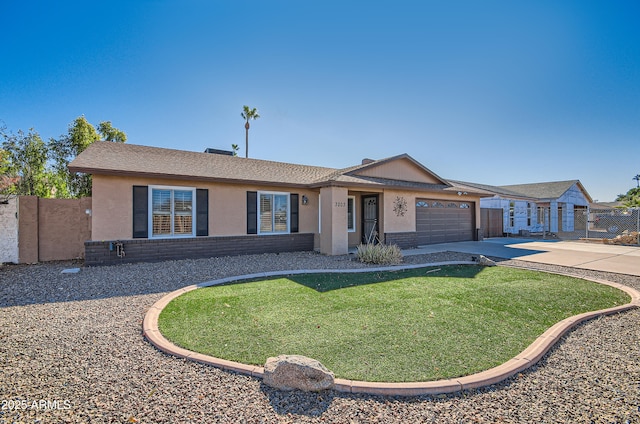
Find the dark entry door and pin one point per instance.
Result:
(370, 219)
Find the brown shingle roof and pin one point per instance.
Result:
(130, 159)
(110, 158)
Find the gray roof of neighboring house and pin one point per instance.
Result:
(548, 190)
(492, 189)
(606, 205)
(538, 191)
(129, 159)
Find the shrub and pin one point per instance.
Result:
(381, 254)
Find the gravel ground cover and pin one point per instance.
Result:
(71, 350)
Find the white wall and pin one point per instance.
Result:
(574, 196)
(520, 214)
(9, 232)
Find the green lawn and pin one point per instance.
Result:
(413, 325)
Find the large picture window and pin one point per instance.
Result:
(273, 210)
(172, 211)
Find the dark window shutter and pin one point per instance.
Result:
(140, 212)
(202, 212)
(293, 213)
(252, 212)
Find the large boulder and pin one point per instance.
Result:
(289, 372)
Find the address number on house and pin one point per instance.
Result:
(340, 204)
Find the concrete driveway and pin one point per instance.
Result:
(593, 256)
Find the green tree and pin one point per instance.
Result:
(7, 182)
(248, 114)
(631, 199)
(24, 163)
(109, 133)
(234, 149)
(637, 178)
(80, 135)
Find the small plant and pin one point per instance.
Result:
(381, 254)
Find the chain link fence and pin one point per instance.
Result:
(614, 226)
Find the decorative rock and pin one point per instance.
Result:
(289, 372)
(484, 261)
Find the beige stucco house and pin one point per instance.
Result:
(152, 203)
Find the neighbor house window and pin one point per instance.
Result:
(529, 213)
(351, 214)
(540, 215)
(172, 211)
(273, 209)
(512, 214)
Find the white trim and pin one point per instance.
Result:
(150, 213)
(353, 215)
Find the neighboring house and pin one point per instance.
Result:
(152, 203)
(558, 206)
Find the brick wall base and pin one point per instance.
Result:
(146, 250)
(405, 240)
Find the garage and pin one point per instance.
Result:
(443, 221)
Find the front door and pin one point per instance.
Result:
(370, 219)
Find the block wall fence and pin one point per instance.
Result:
(39, 230)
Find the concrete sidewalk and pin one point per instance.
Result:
(593, 256)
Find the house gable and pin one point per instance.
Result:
(576, 195)
(399, 168)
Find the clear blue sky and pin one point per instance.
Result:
(495, 92)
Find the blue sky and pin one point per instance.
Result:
(495, 92)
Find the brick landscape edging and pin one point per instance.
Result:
(520, 362)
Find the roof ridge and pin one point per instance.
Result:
(541, 183)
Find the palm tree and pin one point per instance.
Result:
(248, 114)
(637, 178)
(234, 149)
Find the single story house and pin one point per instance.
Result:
(152, 203)
(557, 206)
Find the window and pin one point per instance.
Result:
(351, 214)
(166, 211)
(273, 210)
(529, 213)
(541, 213)
(172, 211)
(512, 214)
